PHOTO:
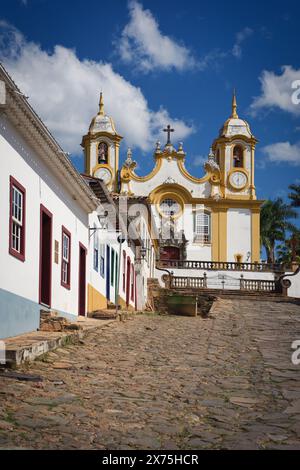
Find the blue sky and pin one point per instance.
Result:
(159, 62)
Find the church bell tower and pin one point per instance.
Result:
(235, 151)
(101, 149)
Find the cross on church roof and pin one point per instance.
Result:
(169, 130)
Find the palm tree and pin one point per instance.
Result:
(274, 222)
(295, 195)
(289, 250)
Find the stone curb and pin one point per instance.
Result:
(31, 349)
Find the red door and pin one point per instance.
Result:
(128, 281)
(45, 256)
(82, 280)
(169, 253)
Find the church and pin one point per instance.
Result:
(211, 218)
(80, 244)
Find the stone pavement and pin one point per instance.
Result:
(164, 382)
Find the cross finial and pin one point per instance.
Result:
(168, 130)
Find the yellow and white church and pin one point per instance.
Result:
(212, 218)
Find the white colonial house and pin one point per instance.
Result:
(56, 253)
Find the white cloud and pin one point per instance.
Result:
(240, 38)
(143, 44)
(64, 90)
(283, 152)
(199, 160)
(277, 91)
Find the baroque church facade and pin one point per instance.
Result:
(211, 218)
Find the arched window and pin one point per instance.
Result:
(202, 230)
(218, 157)
(238, 156)
(169, 207)
(102, 152)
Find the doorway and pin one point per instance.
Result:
(82, 280)
(45, 256)
(107, 272)
(128, 281)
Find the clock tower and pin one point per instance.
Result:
(101, 149)
(235, 150)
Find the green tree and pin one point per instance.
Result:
(274, 223)
(295, 195)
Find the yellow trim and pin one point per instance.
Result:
(185, 173)
(96, 300)
(223, 235)
(87, 159)
(219, 234)
(170, 195)
(123, 305)
(128, 174)
(214, 233)
(255, 236)
(252, 183)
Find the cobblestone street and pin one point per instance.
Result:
(164, 382)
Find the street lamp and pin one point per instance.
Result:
(102, 218)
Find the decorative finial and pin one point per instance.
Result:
(211, 154)
(234, 114)
(128, 162)
(101, 105)
(157, 148)
(129, 153)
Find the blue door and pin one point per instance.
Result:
(107, 272)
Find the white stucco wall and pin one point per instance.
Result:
(19, 160)
(169, 169)
(294, 290)
(109, 238)
(238, 233)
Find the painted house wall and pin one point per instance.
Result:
(97, 283)
(19, 278)
(294, 290)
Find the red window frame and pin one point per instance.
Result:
(67, 284)
(124, 271)
(132, 283)
(13, 183)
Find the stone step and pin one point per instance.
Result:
(104, 314)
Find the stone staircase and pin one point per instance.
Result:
(111, 313)
(158, 296)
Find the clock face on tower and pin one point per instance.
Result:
(238, 180)
(103, 174)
